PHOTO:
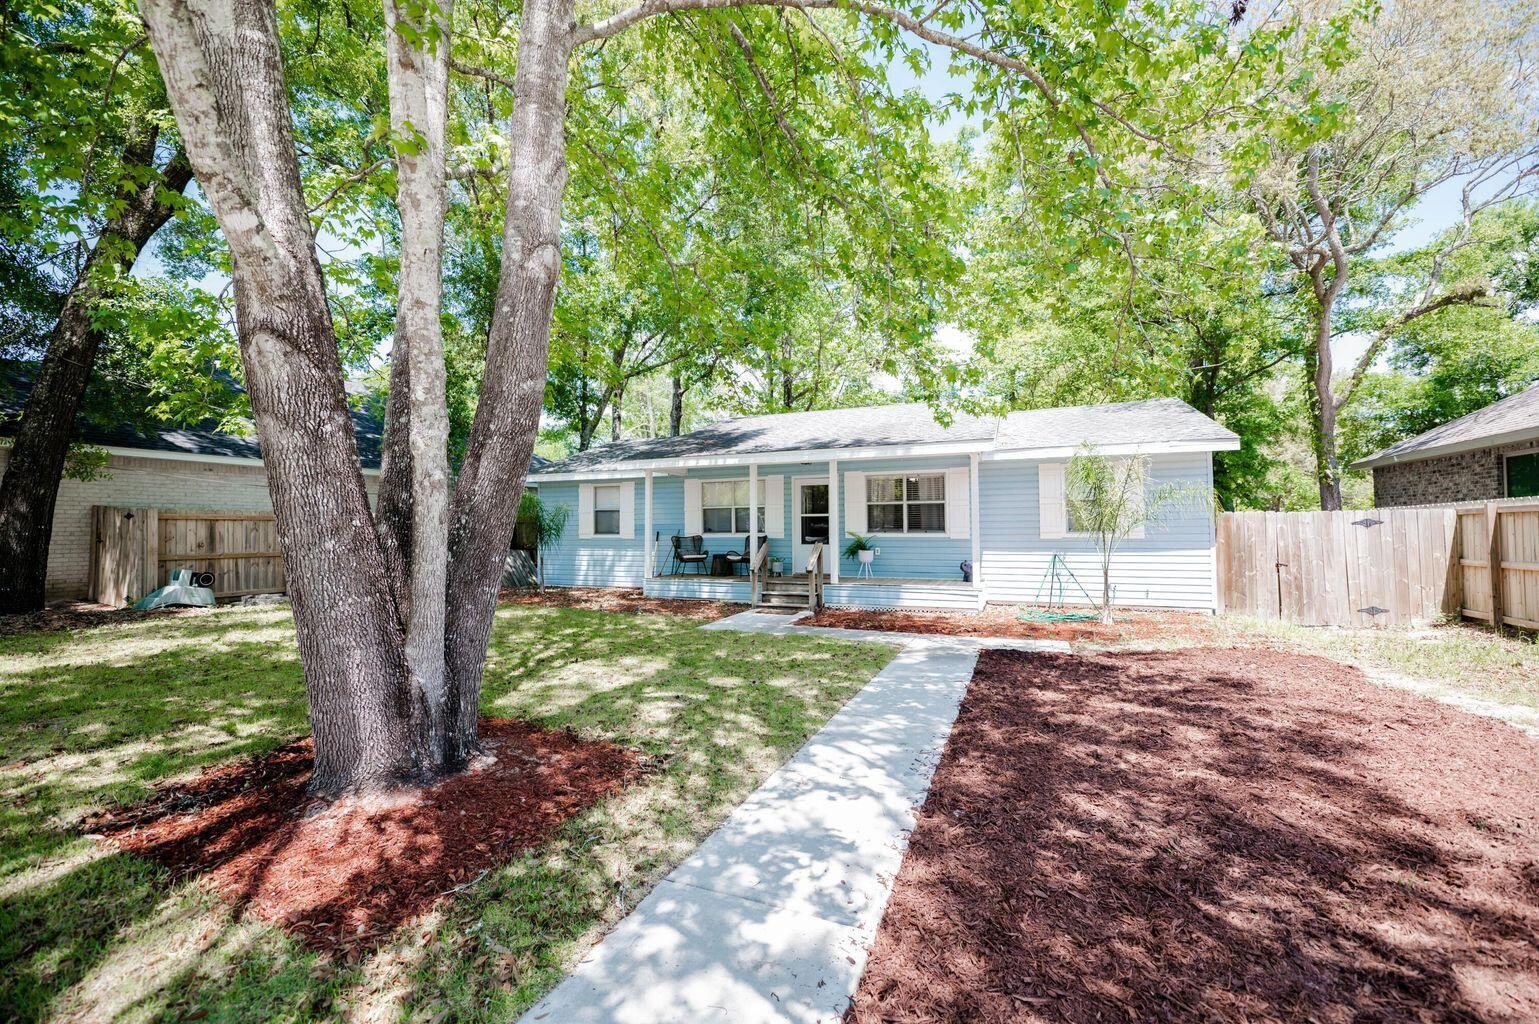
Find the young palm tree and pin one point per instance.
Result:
(548, 523)
(1111, 499)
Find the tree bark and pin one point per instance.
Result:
(502, 435)
(30, 488)
(419, 98)
(223, 72)
(676, 407)
(616, 412)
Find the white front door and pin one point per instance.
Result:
(809, 520)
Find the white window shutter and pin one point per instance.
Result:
(854, 505)
(774, 505)
(1142, 496)
(1050, 497)
(692, 507)
(584, 511)
(958, 504)
(628, 510)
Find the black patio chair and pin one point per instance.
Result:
(688, 551)
(737, 558)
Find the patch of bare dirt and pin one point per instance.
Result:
(1213, 835)
(346, 876)
(75, 615)
(607, 599)
(1002, 620)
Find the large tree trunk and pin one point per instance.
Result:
(30, 488)
(223, 73)
(502, 436)
(676, 408)
(419, 96)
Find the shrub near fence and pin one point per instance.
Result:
(1382, 566)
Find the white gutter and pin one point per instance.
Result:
(985, 450)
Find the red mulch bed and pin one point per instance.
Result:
(605, 599)
(346, 876)
(1214, 835)
(73, 615)
(1004, 621)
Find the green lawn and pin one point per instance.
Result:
(98, 717)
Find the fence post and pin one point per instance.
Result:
(1494, 562)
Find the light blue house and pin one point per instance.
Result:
(932, 496)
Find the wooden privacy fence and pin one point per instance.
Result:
(135, 549)
(1382, 566)
(1507, 536)
(1365, 568)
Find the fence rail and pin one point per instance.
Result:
(1382, 566)
(135, 550)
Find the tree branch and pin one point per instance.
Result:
(622, 20)
(1467, 295)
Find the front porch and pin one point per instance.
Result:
(869, 592)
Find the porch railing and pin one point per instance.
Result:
(815, 577)
(756, 573)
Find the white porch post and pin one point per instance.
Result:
(753, 511)
(646, 540)
(833, 520)
(974, 517)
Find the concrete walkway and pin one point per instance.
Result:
(771, 918)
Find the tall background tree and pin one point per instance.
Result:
(1090, 86)
(1433, 100)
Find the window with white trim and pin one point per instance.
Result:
(724, 506)
(914, 503)
(606, 510)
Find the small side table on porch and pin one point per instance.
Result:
(721, 566)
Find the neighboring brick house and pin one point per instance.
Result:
(1490, 453)
(170, 468)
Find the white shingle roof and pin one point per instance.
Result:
(1514, 418)
(1150, 422)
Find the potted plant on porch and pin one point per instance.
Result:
(861, 549)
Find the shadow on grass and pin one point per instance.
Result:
(95, 722)
(1213, 835)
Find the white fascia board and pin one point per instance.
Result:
(1140, 448)
(1453, 448)
(635, 469)
(218, 460)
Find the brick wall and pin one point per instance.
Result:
(1467, 476)
(149, 482)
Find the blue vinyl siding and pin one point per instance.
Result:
(592, 561)
(924, 555)
(1171, 567)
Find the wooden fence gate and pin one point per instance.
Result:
(135, 550)
(1376, 567)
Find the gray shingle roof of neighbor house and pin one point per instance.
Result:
(196, 439)
(1514, 418)
(1155, 421)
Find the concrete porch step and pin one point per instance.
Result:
(782, 599)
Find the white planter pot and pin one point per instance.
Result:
(866, 557)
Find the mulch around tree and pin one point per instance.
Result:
(1213, 835)
(345, 876)
(76, 615)
(1003, 620)
(605, 599)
